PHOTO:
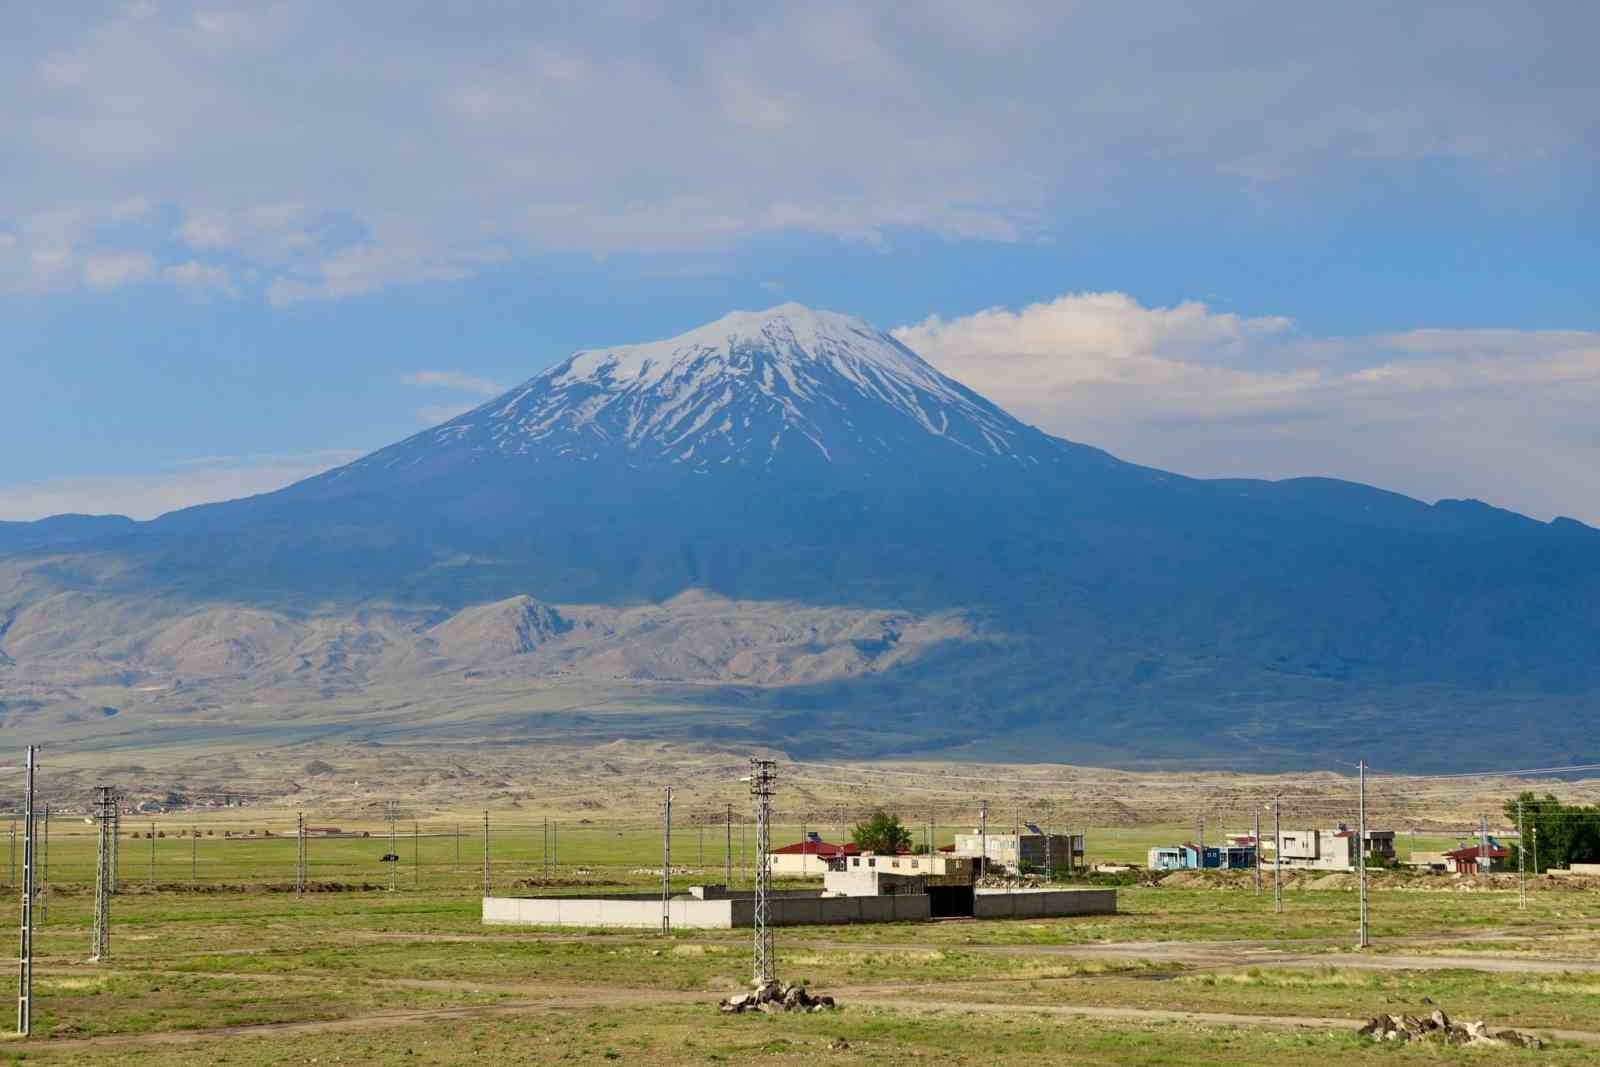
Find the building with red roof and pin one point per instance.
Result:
(811, 858)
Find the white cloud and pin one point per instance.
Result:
(450, 379)
(146, 495)
(1503, 415)
(201, 277)
(450, 142)
(109, 270)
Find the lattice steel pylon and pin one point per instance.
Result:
(763, 776)
(105, 807)
(300, 855)
(25, 949)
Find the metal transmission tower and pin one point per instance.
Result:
(300, 854)
(1257, 864)
(983, 837)
(763, 776)
(105, 806)
(1362, 941)
(1049, 857)
(1522, 867)
(25, 951)
(666, 864)
(1277, 858)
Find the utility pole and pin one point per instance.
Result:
(300, 856)
(1016, 834)
(391, 811)
(25, 950)
(983, 839)
(485, 851)
(1522, 867)
(152, 854)
(1277, 859)
(194, 854)
(13, 880)
(1535, 848)
(116, 839)
(544, 848)
(1049, 852)
(458, 846)
(105, 802)
(416, 857)
(44, 871)
(702, 861)
(727, 852)
(1257, 851)
(1361, 856)
(1483, 844)
(666, 864)
(763, 775)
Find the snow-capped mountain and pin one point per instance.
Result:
(809, 465)
(780, 388)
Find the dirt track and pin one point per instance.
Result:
(570, 998)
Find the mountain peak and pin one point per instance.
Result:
(793, 333)
(780, 388)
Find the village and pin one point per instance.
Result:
(980, 874)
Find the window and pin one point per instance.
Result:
(856, 861)
(873, 862)
(895, 864)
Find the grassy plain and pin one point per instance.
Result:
(236, 970)
(216, 960)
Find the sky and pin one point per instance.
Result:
(242, 243)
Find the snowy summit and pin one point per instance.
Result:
(777, 388)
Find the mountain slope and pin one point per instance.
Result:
(788, 388)
(802, 457)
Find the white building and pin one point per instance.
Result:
(1012, 851)
(1330, 850)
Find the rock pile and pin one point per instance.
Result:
(774, 997)
(1439, 1027)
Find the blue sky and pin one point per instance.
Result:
(238, 244)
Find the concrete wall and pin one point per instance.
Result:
(644, 913)
(1576, 870)
(1032, 903)
(835, 911)
(634, 912)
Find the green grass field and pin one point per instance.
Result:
(364, 975)
(449, 854)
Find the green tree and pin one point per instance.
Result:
(1567, 833)
(881, 832)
